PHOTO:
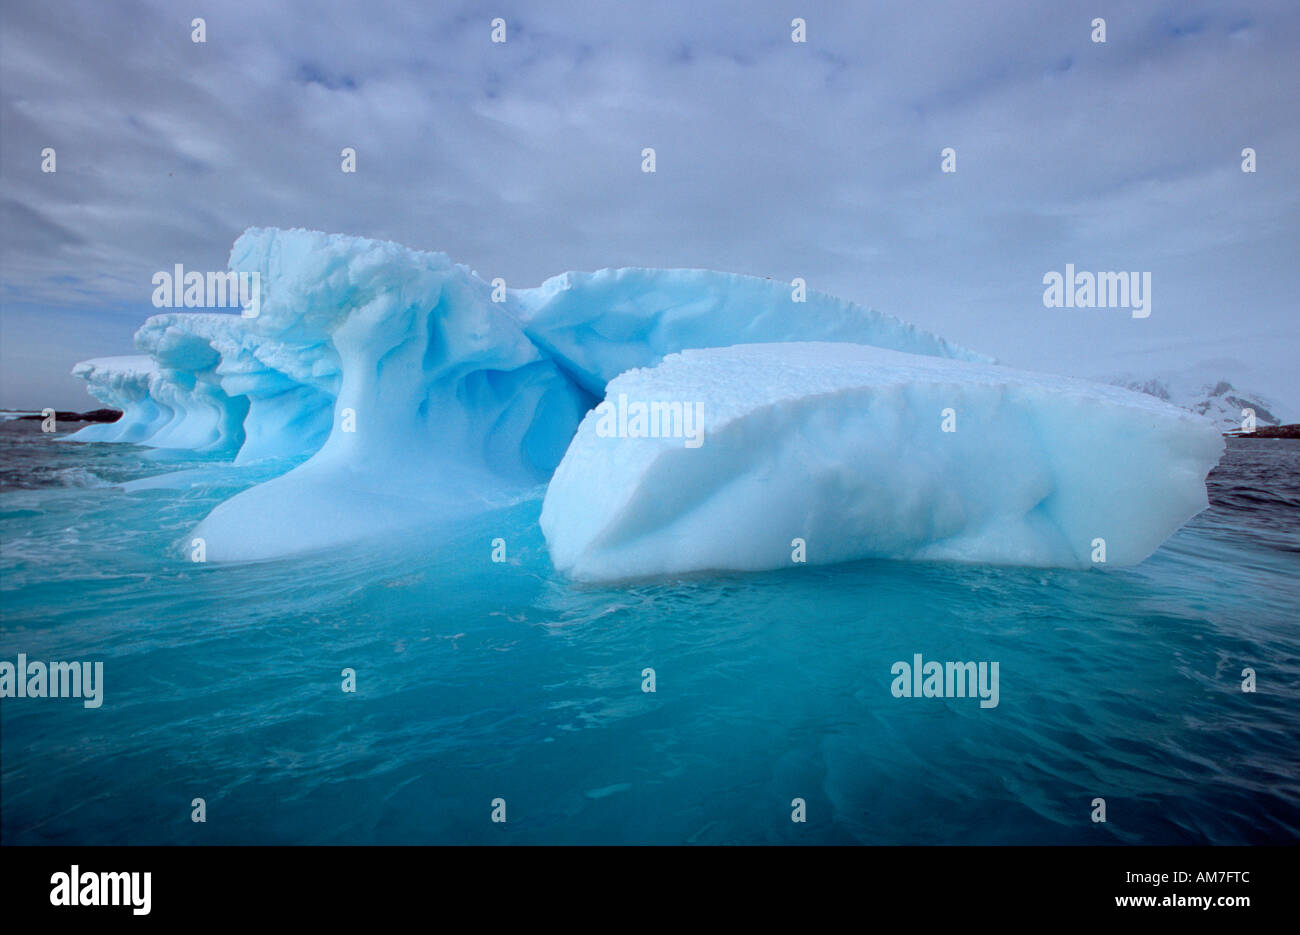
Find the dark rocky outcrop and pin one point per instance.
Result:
(94, 415)
(1269, 431)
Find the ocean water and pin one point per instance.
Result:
(479, 680)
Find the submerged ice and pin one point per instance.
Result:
(699, 420)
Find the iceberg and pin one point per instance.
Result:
(598, 325)
(202, 417)
(162, 407)
(263, 398)
(443, 407)
(268, 386)
(121, 383)
(407, 391)
(833, 452)
(209, 383)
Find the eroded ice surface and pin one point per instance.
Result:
(597, 325)
(843, 446)
(406, 396)
(122, 383)
(443, 405)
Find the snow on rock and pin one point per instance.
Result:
(1215, 398)
(843, 446)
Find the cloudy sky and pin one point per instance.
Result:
(775, 158)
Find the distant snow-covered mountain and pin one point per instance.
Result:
(1216, 399)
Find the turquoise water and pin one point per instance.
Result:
(478, 680)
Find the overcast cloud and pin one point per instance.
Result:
(819, 160)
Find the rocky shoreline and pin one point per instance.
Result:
(1269, 431)
(94, 415)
